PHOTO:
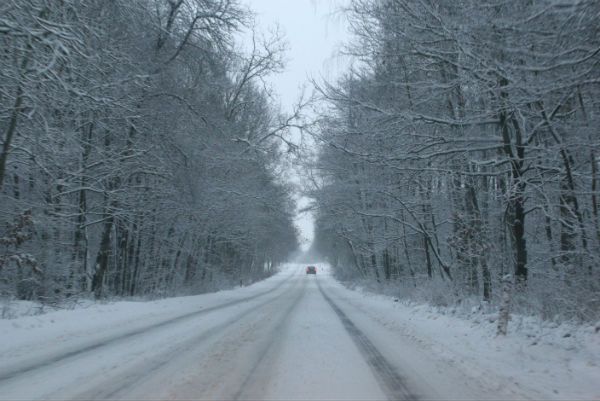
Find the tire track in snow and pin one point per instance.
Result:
(114, 390)
(275, 338)
(28, 367)
(392, 383)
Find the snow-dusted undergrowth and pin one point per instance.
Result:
(553, 359)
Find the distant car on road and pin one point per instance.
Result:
(311, 270)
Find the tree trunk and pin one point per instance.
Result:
(102, 259)
(595, 193)
(14, 118)
(516, 201)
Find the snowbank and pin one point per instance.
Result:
(544, 359)
(93, 322)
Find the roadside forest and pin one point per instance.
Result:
(138, 149)
(458, 157)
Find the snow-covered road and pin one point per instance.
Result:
(294, 336)
(282, 341)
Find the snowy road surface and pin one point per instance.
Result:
(294, 336)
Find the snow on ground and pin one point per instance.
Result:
(293, 348)
(285, 343)
(46, 334)
(290, 337)
(538, 359)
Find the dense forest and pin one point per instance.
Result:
(458, 157)
(139, 151)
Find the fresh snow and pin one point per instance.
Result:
(537, 359)
(281, 339)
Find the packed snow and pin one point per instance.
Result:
(281, 339)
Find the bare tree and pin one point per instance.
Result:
(456, 152)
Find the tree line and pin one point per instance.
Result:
(139, 149)
(460, 153)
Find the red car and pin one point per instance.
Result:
(311, 270)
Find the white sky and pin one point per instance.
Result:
(314, 32)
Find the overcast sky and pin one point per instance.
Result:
(314, 32)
